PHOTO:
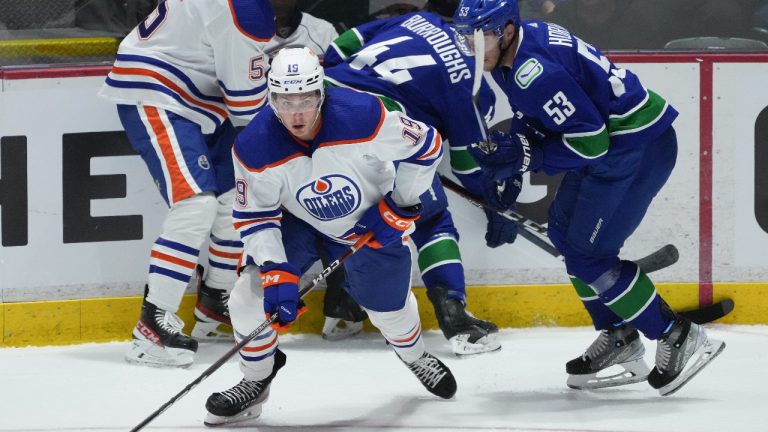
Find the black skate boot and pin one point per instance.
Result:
(468, 335)
(343, 316)
(620, 346)
(158, 340)
(242, 402)
(681, 352)
(212, 322)
(434, 375)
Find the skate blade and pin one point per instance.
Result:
(633, 372)
(332, 331)
(212, 332)
(146, 353)
(246, 418)
(705, 354)
(463, 348)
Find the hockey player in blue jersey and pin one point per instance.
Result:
(325, 166)
(578, 113)
(413, 64)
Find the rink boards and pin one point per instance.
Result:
(78, 211)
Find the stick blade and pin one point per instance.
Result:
(662, 258)
(709, 313)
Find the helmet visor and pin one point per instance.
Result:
(292, 103)
(467, 42)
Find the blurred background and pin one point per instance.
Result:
(89, 31)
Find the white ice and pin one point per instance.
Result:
(360, 385)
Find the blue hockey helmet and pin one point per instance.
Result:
(486, 15)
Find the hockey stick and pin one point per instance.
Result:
(536, 233)
(709, 313)
(234, 350)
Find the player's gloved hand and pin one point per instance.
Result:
(281, 293)
(499, 230)
(502, 194)
(387, 221)
(505, 155)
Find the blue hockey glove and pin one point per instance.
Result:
(499, 230)
(502, 194)
(281, 293)
(505, 155)
(387, 221)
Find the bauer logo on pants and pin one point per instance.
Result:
(329, 197)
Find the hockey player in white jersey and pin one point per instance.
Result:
(178, 77)
(325, 166)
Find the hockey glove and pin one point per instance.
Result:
(387, 221)
(502, 195)
(506, 155)
(281, 293)
(499, 230)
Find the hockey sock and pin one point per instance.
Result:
(633, 297)
(401, 329)
(174, 255)
(602, 316)
(440, 265)
(225, 248)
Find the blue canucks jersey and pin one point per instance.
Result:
(415, 64)
(577, 101)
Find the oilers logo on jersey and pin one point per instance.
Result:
(330, 197)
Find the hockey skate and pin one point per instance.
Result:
(158, 340)
(681, 353)
(614, 359)
(434, 375)
(343, 316)
(468, 335)
(335, 329)
(242, 403)
(212, 322)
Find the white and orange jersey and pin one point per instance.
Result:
(362, 152)
(201, 59)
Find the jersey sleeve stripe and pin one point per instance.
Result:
(348, 43)
(435, 148)
(261, 214)
(639, 118)
(240, 225)
(257, 228)
(589, 145)
(364, 139)
(133, 58)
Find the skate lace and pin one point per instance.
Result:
(168, 321)
(244, 391)
(427, 370)
(599, 345)
(663, 355)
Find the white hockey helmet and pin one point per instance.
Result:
(295, 70)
